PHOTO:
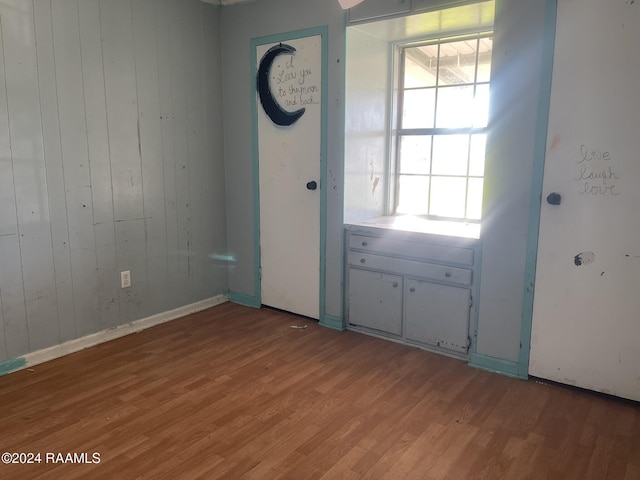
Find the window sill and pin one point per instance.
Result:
(410, 223)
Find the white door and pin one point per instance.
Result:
(586, 317)
(289, 153)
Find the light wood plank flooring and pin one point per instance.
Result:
(236, 393)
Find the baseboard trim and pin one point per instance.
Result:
(496, 365)
(244, 299)
(12, 365)
(334, 323)
(66, 348)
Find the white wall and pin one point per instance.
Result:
(516, 92)
(110, 160)
(366, 123)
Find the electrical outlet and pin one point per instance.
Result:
(125, 279)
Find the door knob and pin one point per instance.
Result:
(554, 198)
(312, 185)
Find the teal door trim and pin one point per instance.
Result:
(540, 149)
(322, 31)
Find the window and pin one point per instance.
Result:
(443, 105)
(416, 108)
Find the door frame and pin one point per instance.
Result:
(537, 177)
(321, 31)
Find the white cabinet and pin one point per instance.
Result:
(437, 315)
(414, 288)
(375, 300)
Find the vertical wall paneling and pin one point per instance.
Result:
(163, 19)
(99, 158)
(14, 336)
(214, 189)
(55, 170)
(29, 172)
(3, 343)
(177, 52)
(151, 152)
(124, 148)
(14, 315)
(110, 153)
(75, 160)
(198, 207)
(8, 219)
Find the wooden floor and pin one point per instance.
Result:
(236, 393)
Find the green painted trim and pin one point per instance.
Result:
(257, 286)
(8, 366)
(333, 323)
(496, 365)
(324, 176)
(535, 204)
(476, 299)
(322, 31)
(244, 299)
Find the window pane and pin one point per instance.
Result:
(481, 106)
(474, 199)
(413, 195)
(418, 108)
(420, 66)
(457, 62)
(415, 154)
(477, 154)
(455, 107)
(444, 86)
(450, 153)
(484, 59)
(448, 196)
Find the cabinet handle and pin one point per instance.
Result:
(447, 274)
(395, 284)
(412, 289)
(364, 244)
(362, 260)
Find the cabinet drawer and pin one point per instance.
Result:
(430, 271)
(405, 248)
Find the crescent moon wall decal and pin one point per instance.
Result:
(272, 108)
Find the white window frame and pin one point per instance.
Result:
(397, 132)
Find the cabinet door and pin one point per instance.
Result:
(437, 315)
(378, 8)
(375, 300)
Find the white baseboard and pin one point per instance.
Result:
(78, 344)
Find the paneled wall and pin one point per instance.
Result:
(110, 160)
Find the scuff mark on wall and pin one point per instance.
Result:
(376, 181)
